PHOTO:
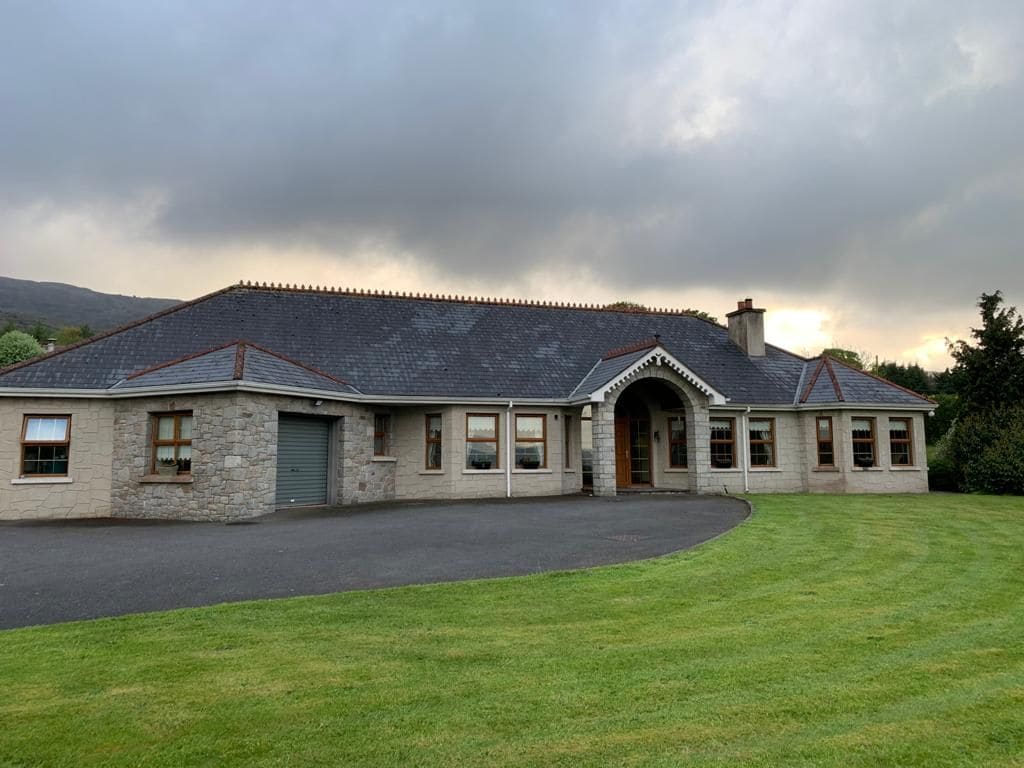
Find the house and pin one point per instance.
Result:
(257, 397)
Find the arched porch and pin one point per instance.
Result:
(649, 434)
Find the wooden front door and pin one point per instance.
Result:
(623, 466)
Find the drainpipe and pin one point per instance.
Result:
(745, 421)
(508, 451)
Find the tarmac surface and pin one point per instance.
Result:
(66, 570)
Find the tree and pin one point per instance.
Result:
(71, 334)
(984, 449)
(40, 333)
(990, 373)
(632, 306)
(910, 376)
(16, 346)
(847, 356)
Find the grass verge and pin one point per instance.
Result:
(848, 631)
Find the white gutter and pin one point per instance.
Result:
(745, 421)
(270, 389)
(508, 451)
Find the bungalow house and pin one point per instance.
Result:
(257, 397)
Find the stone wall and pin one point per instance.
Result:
(847, 478)
(234, 457)
(454, 480)
(85, 492)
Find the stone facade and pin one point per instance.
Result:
(454, 481)
(85, 492)
(234, 454)
(795, 467)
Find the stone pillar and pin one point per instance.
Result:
(699, 448)
(603, 415)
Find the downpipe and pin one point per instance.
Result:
(745, 421)
(508, 451)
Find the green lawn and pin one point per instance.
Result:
(839, 631)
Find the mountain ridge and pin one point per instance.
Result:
(26, 303)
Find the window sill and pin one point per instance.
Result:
(58, 480)
(483, 471)
(677, 470)
(765, 470)
(431, 472)
(537, 471)
(903, 468)
(825, 469)
(168, 479)
(385, 458)
(726, 469)
(569, 471)
(856, 469)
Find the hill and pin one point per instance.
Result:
(27, 302)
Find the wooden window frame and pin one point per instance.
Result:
(429, 441)
(731, 442)
(872, 441)
(176, 441)
(543, 439)
(752, 442)
(41, 443)
(909, 441)
(673, 442)
(496, 440)
(831, 440)
(381, 435)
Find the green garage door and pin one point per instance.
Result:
(302, 455)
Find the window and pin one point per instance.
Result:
(677, 442)
(762, 442)
(433, 439)
(863, 442)
(481, 441)
(901, 442)
(45, 444)
(723, 443)
(826, 448)
(381, 427)
(567, 435)
(531, 441)
(172, 440)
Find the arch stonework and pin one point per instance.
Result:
(695, 404)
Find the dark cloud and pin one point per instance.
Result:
(712, 145)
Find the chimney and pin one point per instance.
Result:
(746, 328)
(51, 344)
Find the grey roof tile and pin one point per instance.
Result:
(238, 361)
(607, 369)
(211, 366)
(385, 345)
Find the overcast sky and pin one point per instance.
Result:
(856, 167)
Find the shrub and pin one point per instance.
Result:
(987, 450)
(16, 346)
(942, 472)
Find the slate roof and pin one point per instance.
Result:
(606, 369)
(833, 381)
(426, 347)
(237, 361)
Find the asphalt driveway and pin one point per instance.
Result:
(60, 571)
